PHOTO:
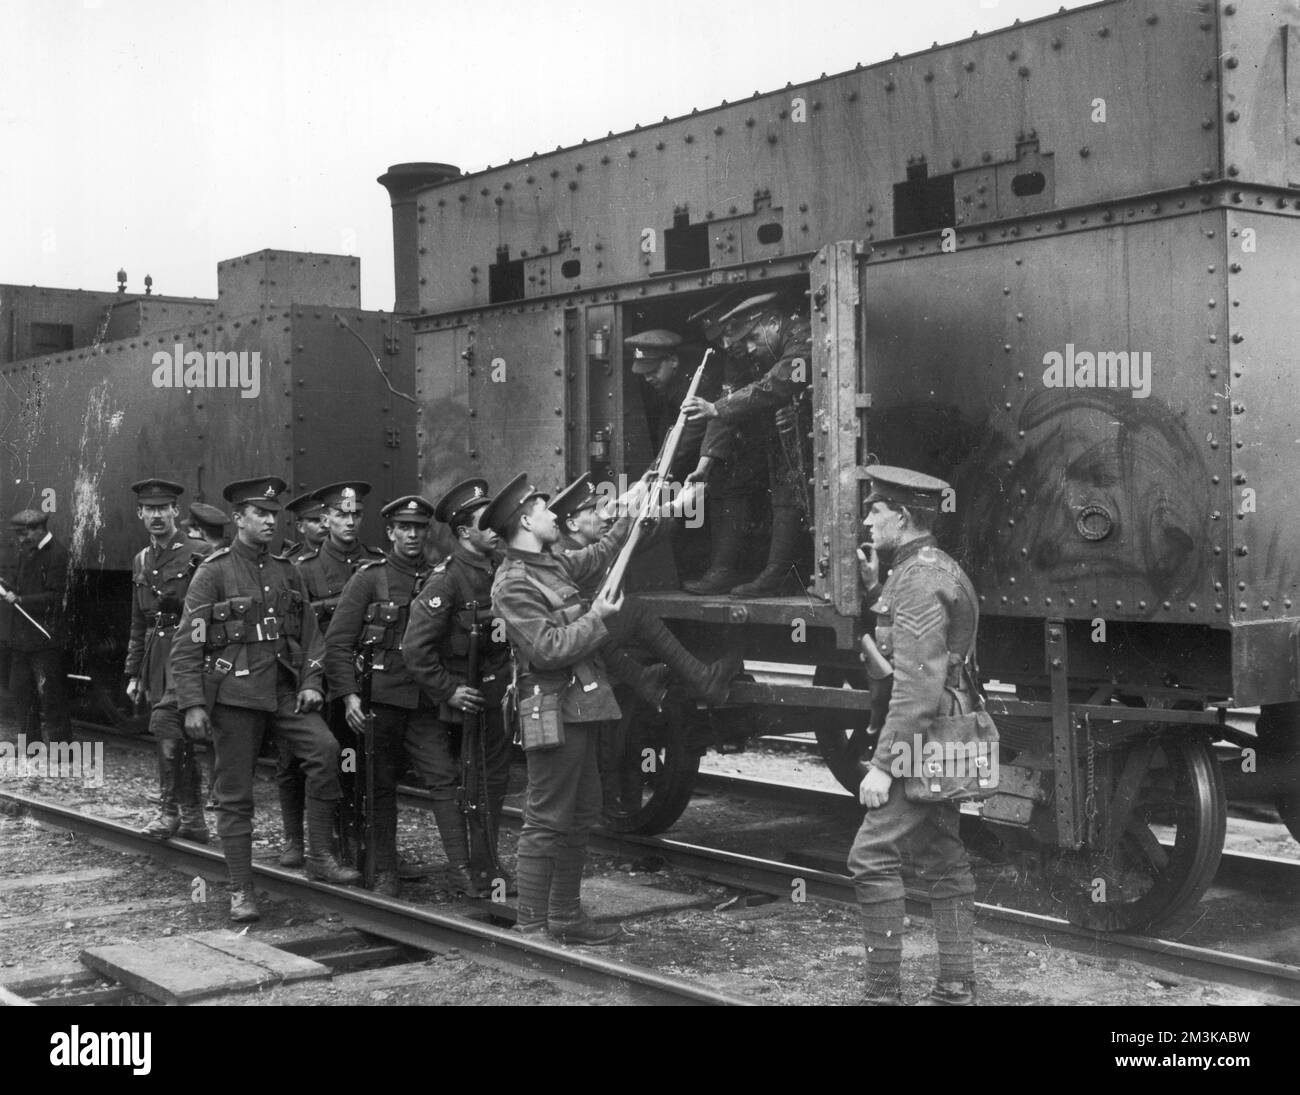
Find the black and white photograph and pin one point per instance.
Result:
(734, 504)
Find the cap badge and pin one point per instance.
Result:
(270, 492)
(478, 492)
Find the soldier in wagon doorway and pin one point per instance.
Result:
(926, 614)
(40, 589)
(160, 577)
(776, 336)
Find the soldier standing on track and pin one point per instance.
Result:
(778, 340)
(565, 702)
(160, 575)
(582, 525)
(436, 647)
(251, 655)
(927, 614)
(326, 571)
(36, 676)
(373, 612)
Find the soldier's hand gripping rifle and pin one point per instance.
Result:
(474, 801)
(613, 582)
(23, 612)
(363, 811)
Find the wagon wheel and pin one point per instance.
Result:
(647, 767)
(843, 748)
(1278, 729)
(1150, 860)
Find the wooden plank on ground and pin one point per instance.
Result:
(186, 968)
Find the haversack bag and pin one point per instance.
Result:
(541, 725)
(958, 758)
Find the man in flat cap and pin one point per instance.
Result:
(326, 570)
(458, 597)
(565, 701)
(581, 523)
(733, 461)
(926, 616)
(371, 618)
(160, 576)
(777, 338)
(36, 674)
(249, 655)
(311, 525)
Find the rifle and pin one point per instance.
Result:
(473, 766)
(614, 579)
(363, 810)
(24, 613)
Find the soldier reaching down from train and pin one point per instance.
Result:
(160, 575)
(926, 616)
(249, 656)
(777, 338)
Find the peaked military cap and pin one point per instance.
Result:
(28, 518)
(410, 508)
(514, 496)
(904, 487)
(305, 506)
(710, 316)
(155, 492)
(465, 497)
(263, 491)
(742, 319)
(208, 515)
(577, 496)
(343, 496)
(651, 347)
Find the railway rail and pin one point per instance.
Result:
(398, 921)
(419, 927)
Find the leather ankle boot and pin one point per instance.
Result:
(709, 683)
(649, 682)
(321, 862)
(729, 524)
(779, 577)
(238, 851)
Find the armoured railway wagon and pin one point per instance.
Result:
(1053, 265)
(283, 372)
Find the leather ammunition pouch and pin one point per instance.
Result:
(243, 620)
(385, 624)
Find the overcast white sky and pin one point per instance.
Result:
(164, 135)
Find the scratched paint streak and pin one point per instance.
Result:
(101, 422)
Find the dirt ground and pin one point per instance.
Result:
(775, 951)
